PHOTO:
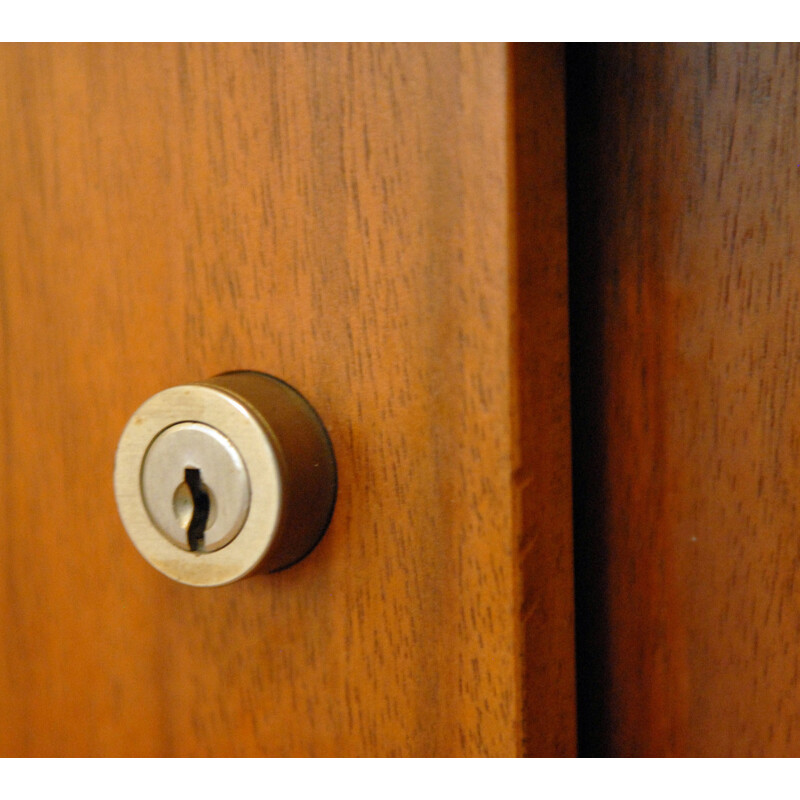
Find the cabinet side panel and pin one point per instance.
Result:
(543, 477)
(684, 237)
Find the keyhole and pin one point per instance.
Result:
(192, 505)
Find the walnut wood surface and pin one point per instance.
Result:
(544, 479)
(684, 171)
(344, 218)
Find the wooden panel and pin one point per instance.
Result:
(684, 169)
(342, 217)
(544, 480)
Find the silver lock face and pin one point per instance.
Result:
(167, 487)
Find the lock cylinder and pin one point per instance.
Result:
(217, 478)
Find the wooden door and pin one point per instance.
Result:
(384, 228)
(685, 193)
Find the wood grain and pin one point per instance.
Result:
(544, 471)
(684, 172)
(342, 217)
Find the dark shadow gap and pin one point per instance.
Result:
(589, 467)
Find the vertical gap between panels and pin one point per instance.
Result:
(587, 398)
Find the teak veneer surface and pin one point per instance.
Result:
(686, 309)
(344, 218)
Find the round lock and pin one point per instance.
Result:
(213, 479)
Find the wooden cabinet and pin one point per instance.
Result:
(385, 228)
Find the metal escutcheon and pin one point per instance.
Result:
(217, 478)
